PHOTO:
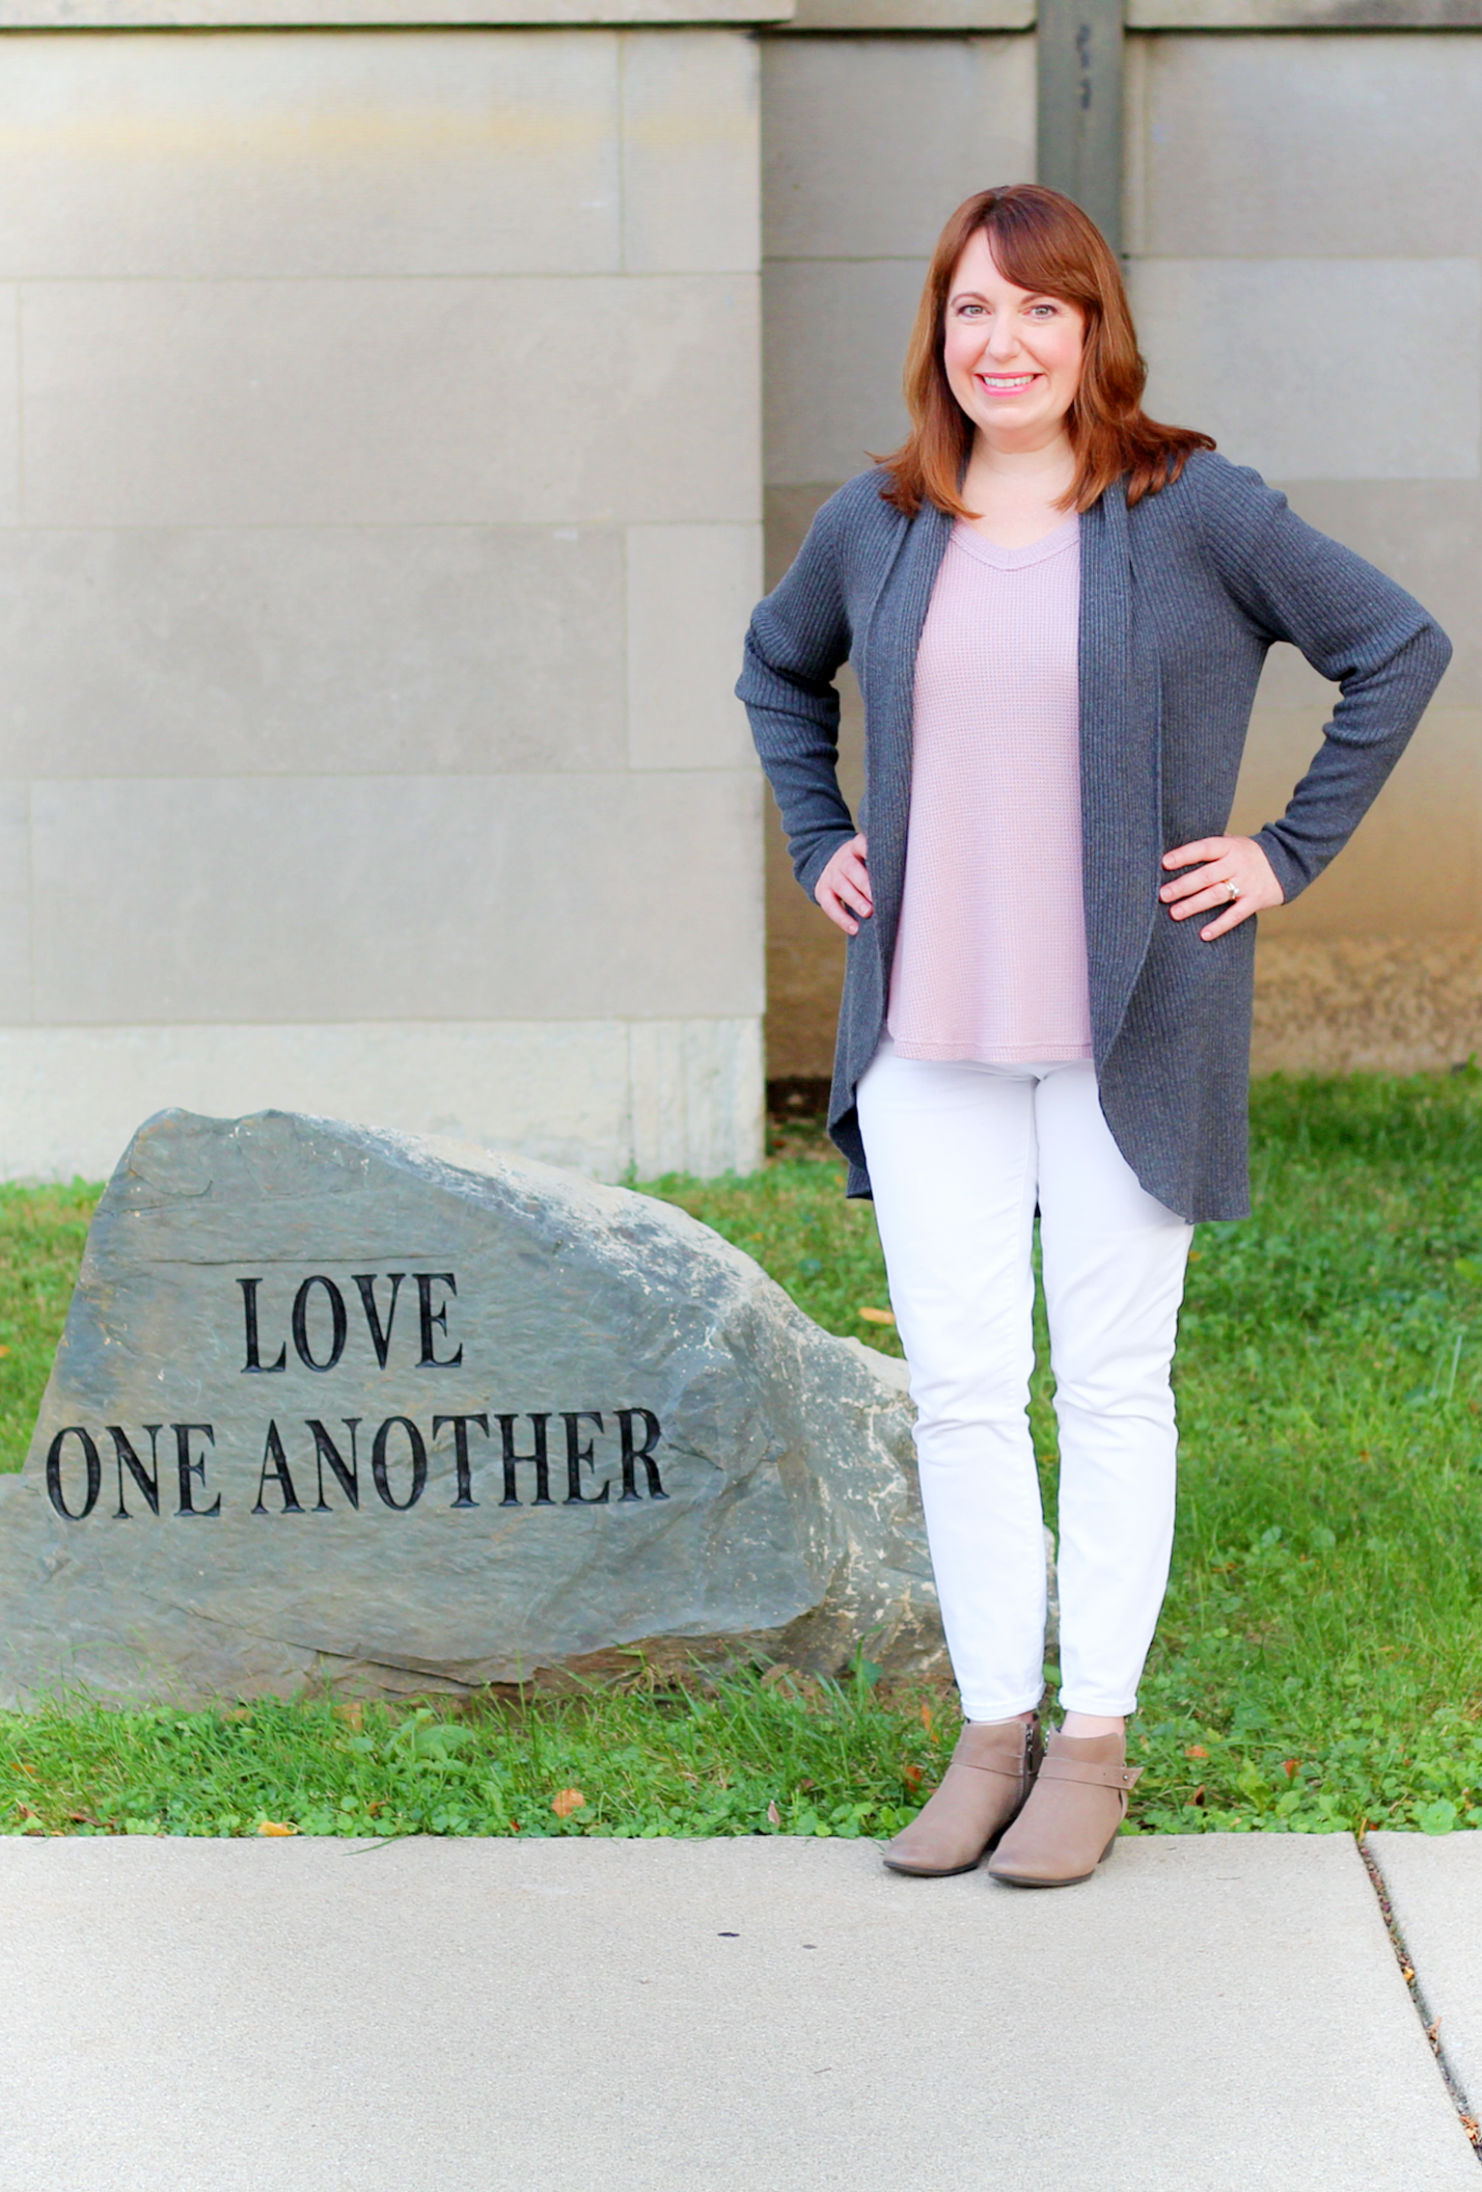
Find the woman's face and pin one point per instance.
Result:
(1013, 358)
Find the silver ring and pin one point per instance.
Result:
(1233, 889)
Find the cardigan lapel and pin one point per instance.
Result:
(887, 673)
(1120, 789)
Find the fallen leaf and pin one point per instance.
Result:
(878, 1316)
(1198, 1795)
(566, 1801)
(1196, 1750)
(928, 1718)
(1290, 1766)
(352, 1713)
(774, 1816)
(4, 1350)
(911, 1775)
(275, 1826)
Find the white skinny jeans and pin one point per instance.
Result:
(959, 1155)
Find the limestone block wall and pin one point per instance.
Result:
(867, 143)
(1304, 214)
(379, 508)
(1304, 227)
(381, 438)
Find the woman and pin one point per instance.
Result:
(1057, 610)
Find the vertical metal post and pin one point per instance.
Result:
(1079, 62)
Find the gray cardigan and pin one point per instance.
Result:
(1180, 599)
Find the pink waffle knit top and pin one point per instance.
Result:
(990, 957)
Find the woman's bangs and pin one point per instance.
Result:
(1025, 255)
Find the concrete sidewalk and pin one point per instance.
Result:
(1434, 1883)
(1215, 2014)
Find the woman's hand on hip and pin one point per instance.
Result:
(843, 889)
(1227, 875)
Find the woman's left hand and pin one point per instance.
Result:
(1231, 873)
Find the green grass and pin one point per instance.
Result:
(1318, 1662)
(42, 1230)
(757, 1757)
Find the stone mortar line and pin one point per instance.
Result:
(1429, 2024)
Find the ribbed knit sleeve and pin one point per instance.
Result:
(1354, 625)
(799, 638)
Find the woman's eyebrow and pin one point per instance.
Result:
(976, 296)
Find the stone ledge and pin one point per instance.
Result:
(855, 17)
(1336, 15)
(861, 16)
(29, 15)
(596, 1095)
(911, 15)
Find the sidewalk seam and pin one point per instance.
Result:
(1430, 2025)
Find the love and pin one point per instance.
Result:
(319, 1320)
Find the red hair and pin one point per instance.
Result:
(1041, 241)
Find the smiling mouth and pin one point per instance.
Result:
(1006, 384)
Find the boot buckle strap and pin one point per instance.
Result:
(1059, 1768)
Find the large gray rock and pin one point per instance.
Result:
(295, 1429)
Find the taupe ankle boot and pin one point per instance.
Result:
(1070, 1821)
(991, 1773)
